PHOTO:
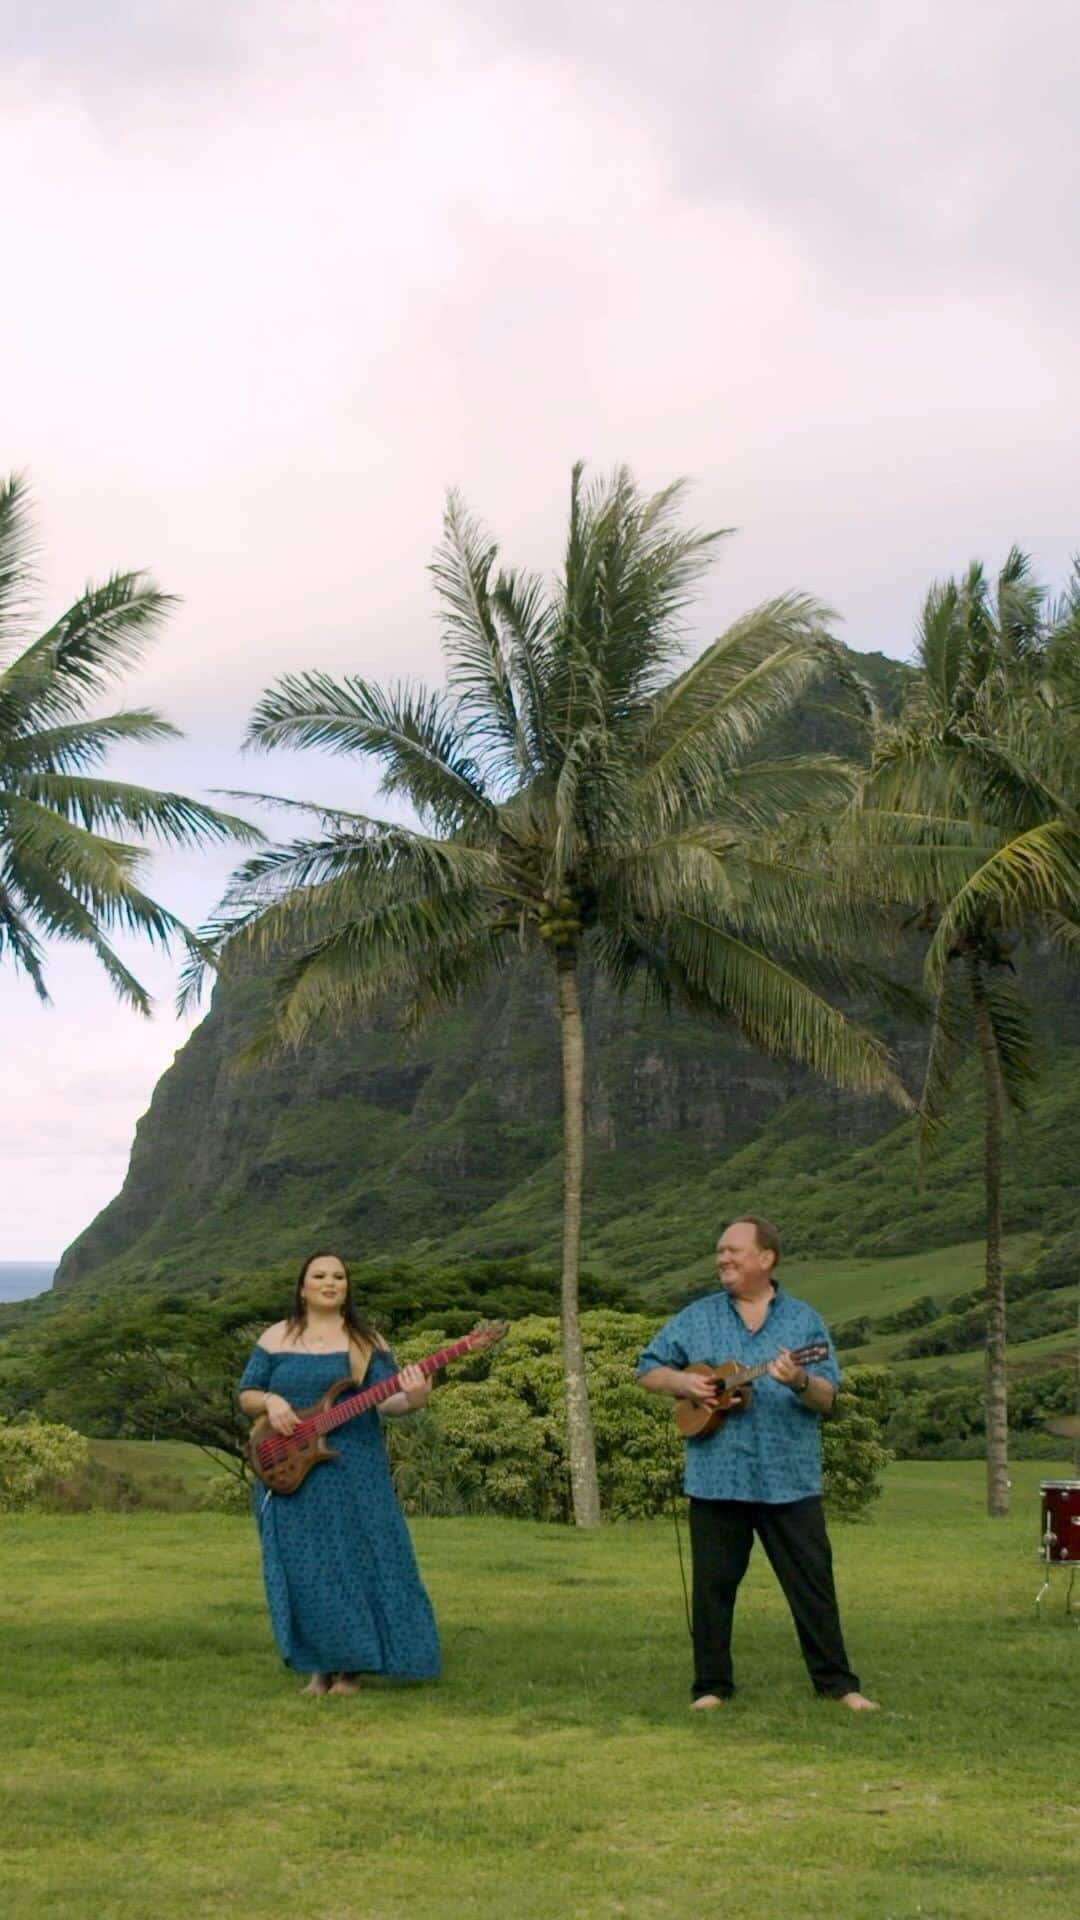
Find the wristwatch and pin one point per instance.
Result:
(801, 1386)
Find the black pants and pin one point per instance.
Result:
(794, 1537)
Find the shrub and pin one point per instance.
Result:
(852, 1333)
(918, 1313)
(229, 1493)
(853, 1453)
(34, 1456)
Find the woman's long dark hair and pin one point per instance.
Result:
(361, 1332)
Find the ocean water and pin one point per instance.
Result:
(21, 1279)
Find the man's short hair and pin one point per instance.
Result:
(765, 1233)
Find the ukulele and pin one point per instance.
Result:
(283, 1461)
(697, 1419)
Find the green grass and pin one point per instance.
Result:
(161, 1763)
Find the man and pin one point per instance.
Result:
(761, 1471)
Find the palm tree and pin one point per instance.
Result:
(971, 806)
(63, 873)
(578, 797)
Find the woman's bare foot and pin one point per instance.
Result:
(858, 1703)
(705, 1701)
(319, 1683)
(343, 1683)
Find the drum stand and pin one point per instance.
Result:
(1072, 1607)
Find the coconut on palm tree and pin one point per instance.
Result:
(971, 808)
(582, 792)
(70, 857)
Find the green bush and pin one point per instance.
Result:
(853, 1453)
(852, 1333)
(34, 1456)
(918, 1313)
(229, 1493)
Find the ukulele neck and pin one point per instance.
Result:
(746, 1374)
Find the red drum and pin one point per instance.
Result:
(1060, 1521)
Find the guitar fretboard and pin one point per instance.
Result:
(358, 1403)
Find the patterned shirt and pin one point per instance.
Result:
(771, 1451)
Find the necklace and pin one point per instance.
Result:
(327, 1343)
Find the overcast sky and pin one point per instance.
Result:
(279, 273)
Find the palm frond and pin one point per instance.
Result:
(479, 669)
(713, 712)
(1010, 1019)
(714, 972)
(1063, 933)
(951, 1044)
(940, 643)
(417, 736)
(82, 744)
(1020, 608)
(105, 632)
(172, 818)
(525, 616)
(763, 796)
(17, 939)
(375, 956)
(1032, 873)
(18, 576)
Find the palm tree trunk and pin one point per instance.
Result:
(579, 1428)
(997, 1379)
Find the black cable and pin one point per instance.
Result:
(674, 1497)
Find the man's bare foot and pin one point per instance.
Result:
(859, 1703)
(704, 1701)
(343, 1683)
(319, 1683)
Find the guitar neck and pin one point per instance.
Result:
(801, 1355)
(358, 1403)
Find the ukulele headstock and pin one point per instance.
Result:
(806, 1356)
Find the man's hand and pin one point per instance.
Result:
(787, 1370)
(694, 1386)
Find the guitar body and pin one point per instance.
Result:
(697, 1419)
(298, 1452)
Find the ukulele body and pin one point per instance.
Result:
(298, 1452)
(697, 1419)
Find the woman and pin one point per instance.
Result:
(342, 1584)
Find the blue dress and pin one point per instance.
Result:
(342, 1584)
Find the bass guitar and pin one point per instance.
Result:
(283, 1461)
(697, 1419)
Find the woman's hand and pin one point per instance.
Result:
(281, 1416)
(415, 1385)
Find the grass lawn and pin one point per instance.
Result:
(159, 1763)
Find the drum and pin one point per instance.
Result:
(1060, 1521)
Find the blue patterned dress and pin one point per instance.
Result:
(342, 1584)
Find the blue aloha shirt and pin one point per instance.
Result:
(772, 1450)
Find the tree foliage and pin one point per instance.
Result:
(71, 856)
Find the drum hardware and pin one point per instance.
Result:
(1059, 1545)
